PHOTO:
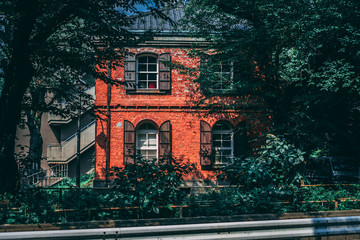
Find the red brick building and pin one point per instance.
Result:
(155, 112)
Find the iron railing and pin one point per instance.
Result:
(48, 177)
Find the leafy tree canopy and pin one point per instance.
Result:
(54, 44)
(299, 59)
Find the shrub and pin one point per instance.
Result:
(148, 184)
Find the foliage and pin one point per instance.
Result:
(49, 46)
(86, 180)
(278, 164)
(87, 204)
(297, 60)
(149, 184)
(140, 190)
(266, 178)
(236, 201)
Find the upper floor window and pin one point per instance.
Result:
(224, 71)
(147, 72)
(217, 73)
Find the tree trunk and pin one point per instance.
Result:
(18, 74)
(36, 142)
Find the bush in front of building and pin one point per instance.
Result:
(148, 184)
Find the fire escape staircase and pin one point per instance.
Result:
(59, 156)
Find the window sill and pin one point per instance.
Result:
(147, 91)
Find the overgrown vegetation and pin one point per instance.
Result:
(296, 61)
(70, 205)
(47, 47)
(148, 184)
(269, 182)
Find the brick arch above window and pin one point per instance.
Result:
(147, 120)
(223, 121)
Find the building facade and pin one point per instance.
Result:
(59, 149)
(156, 112)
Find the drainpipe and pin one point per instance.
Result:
(108, 126)
(78, 143)
(80, 86)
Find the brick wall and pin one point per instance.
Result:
(179, 107)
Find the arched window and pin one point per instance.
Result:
(147, 140)
(223, 143)
(147, 71)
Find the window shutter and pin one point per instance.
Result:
(165, 72)
(129, 142)
(205, 144)
(130, 72)
(240, 140)
(165, 139)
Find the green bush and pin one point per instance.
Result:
(266, 183)
(148, 184)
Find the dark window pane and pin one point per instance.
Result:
(142, 85)
(216, 68)
(217, 127)
(152, 76)
(226, 152)
(226, 67)
(226, 136)
(216, 137)
(142, 59)
(142, 76)
(217, 143)
(221, 126)
(152, 59)
(151, 126)
(226, 144)
(152, 67)
(142, 67)
(147, 125)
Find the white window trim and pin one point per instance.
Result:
(146, 132)
(231, 75)
(138, 72)
(225, 148)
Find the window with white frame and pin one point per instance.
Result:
(147, 71)
(147, 141)
(223, 71)
(223, 143)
